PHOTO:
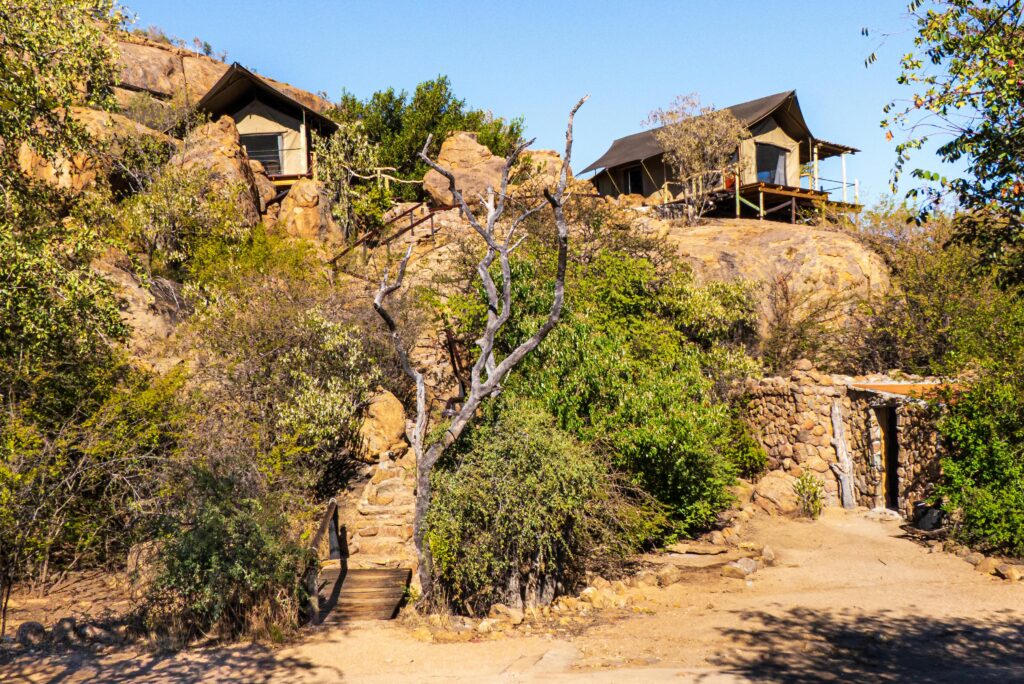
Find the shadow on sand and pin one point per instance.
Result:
(802, 645)
(238, 663)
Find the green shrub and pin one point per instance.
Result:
(521, 511)
(983, 474)
(636, 367)
(397, 124)
(234, 570)
(176, 214)
(810, 495)
(285, 368)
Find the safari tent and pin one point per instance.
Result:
(778, 162)
(274, 128)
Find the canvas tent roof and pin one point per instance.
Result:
(239, 86)
(784, 107)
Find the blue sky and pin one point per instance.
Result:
(534, 58)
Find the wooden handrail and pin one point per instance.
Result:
(311, 571)
(412, 224)
(325, 522)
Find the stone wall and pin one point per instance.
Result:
(920, 451)
(791, 418)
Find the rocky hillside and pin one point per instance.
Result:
(166, 72)
(726, 249)
(811, 265)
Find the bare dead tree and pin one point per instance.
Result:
(487, 374)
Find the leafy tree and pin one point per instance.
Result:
(700, 144)
(967, 71)
(52, 48)
(348, 163)
(400, 123)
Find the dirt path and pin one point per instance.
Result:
(848, 600)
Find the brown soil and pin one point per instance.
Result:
(850, 599)
(85, 596)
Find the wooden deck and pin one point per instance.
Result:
(347, 594)
(766, 199)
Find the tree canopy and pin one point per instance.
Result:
(399, 123)
(967, 74)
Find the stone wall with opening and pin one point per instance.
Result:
(888, 430)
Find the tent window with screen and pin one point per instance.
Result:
(264, 148)
(771, 164)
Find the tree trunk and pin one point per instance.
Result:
(844, 468)
(425, 560)
(5, 596)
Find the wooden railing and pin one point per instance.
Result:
(311, 571)
(393, 221)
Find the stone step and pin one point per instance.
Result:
(380, 546)
(367, 509)
(373, 530)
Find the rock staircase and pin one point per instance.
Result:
(378, 556)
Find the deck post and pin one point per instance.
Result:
(842, 161)
(792, 209)
(736, 185)
(817, 180)
(760, 204)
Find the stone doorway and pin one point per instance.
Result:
(886, 417)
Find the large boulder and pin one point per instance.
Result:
(474, 167)
(306, 213)
(151, 310)
(727, 249)
(109, 130)
(168, 71)
(774, 493)
(808, 268)
(538, 170)
(383, 427)
(215, 147)
(145, 66)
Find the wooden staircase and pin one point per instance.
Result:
(350, 594)
(395, 227)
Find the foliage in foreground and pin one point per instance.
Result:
(983, 473)
(522, 510)
(233, 570)
(983, 476)
(637, 368)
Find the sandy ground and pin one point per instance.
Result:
(850, 599)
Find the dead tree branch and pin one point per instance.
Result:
(487, 373)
